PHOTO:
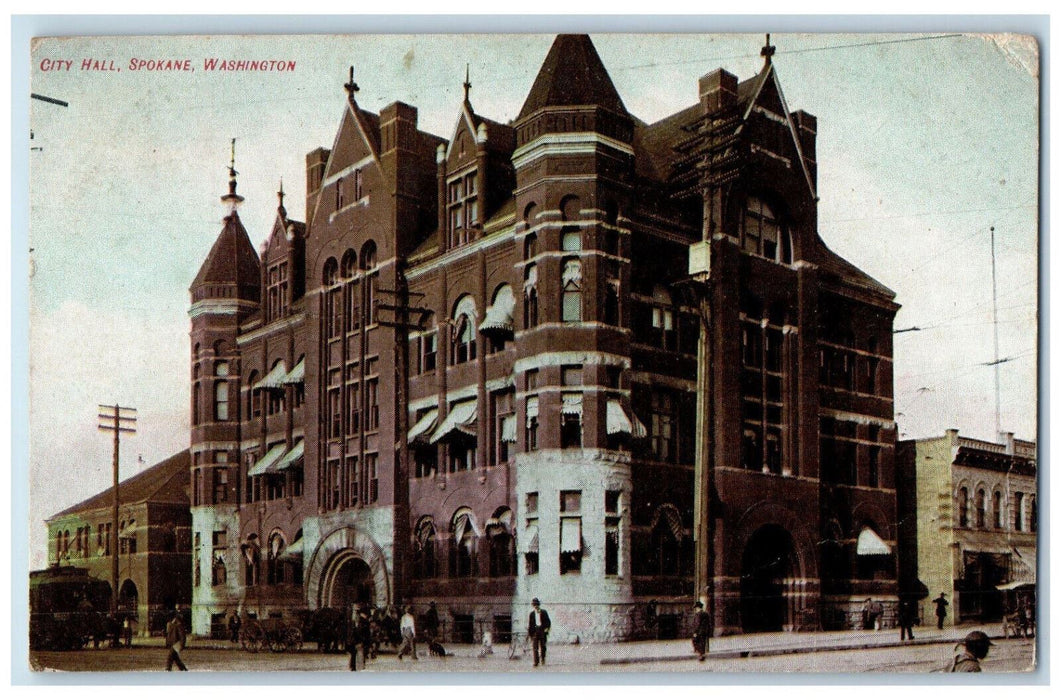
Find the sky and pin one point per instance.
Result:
(924, 143)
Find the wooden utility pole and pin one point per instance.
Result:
(119, 419)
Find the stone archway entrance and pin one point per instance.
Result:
(348, 583)
(128, 597)
(768, 568)
(347, 567)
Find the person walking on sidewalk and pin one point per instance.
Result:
(907, 617)
(538, 631)
(969, 654)
(408, 629)
(941, 609)
(175, 639)
(703, 630)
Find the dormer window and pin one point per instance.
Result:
(764, 235)
(463, 208)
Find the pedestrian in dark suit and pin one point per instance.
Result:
(175, 639)
(907, 617)
(941, 609)
(538, 631)
(703, 630)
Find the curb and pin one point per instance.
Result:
(776, 651)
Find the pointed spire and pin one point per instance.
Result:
(768, 51)
(232, 200)
(572, 74)
(467, 80)
(280, 196)
(351, 87)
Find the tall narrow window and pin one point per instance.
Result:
(221, 400)
(763, 233)
(1018, 511)
(981, 506)
(996, 509)
(963, 507)
(530, 296)
(464, 349)
(571, 282)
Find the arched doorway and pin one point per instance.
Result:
(351, 584)
(128, 597)
(767, 567)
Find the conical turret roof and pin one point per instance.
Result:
(232, 260)
(573, 74)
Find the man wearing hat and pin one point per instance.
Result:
(941, 609)
(970, 652)
(703, 630)
(538, 631)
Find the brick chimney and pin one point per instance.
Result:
(718, 90)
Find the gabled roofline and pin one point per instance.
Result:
(353, 110)
(768, 72)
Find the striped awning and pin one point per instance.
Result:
(292, 456)
(504, 522)
(674, 521)
(499, 314)
(424, 426)
(461, 419)
(870, 543)
(570, 535)
(532, 407)
(275, 379)
(508, 429)
(620, 422)
(267, 464)
(298, 374)
(571, 404)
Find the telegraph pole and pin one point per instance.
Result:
(116, 419)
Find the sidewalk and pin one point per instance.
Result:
(729, 647)
(778, 643)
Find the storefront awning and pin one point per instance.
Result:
(570, 535)
(267, 464)
(461, 418)
(870, 543)
(462, 525)
(620, 422)
(424, 426)
(291, 457)
(499, 314)
(298, 374)
(1021, 568)
(293, 552)
(275, 379)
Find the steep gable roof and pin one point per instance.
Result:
(232, 259)
(166, 482)
(572, 74)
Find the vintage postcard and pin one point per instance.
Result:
(534, 353)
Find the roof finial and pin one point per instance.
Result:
(280, 196)
(351, 87)
(768, 50)
(467, 80)
(232, 199)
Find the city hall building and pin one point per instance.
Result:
(470, 377)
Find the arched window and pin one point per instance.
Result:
(665, 554)
(530, 296)
(462, 560)
(349, 266)
(763, 233)
(368, 264)
(571, 285)
(499, 530)
(221, 400)
(274, 568)
(570, 208)
(425, 561)
(996, 509)
(197, 400)
(530, 214)
(963, 507)
(276, 393)
(464, 330)
(331, 313)
(981, 509)
(530, 246)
